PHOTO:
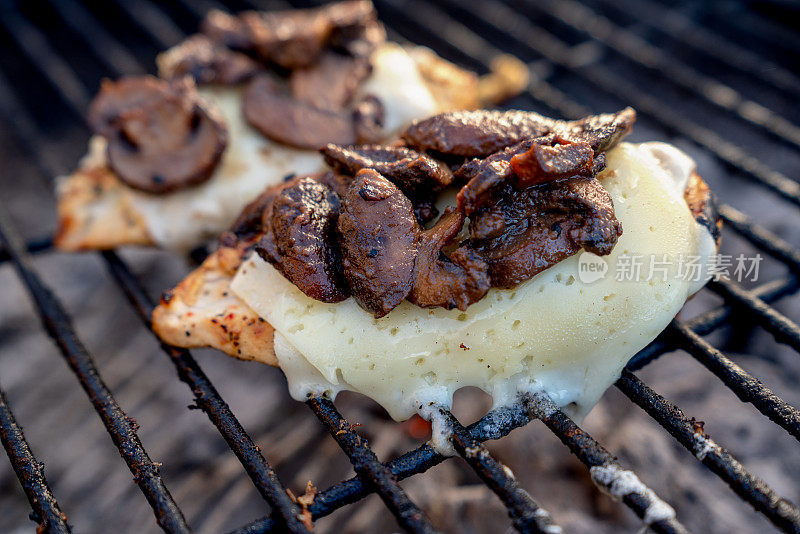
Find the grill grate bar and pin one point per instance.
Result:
(768, 317)
(34, 246)
(685, 31)
(526, 514)
(757, 26)
(745, 386)
(369, 468)
(209, 400)
(760, 237)
(494, 425)
(46, 512)
(690, 434)
(649, 57)
(150, 19)
(606, 472)
(120, 426)
(83, 24)
(713, 319)
(539, 41)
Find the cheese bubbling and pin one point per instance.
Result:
(251, 162)
(554, 333)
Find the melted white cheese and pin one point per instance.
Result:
(251, 162)
(553, 333)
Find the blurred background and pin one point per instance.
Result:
(721, 80)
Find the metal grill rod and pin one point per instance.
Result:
(745, 386)
(82, 23)
(713, 319)
(46, 512)
(526, 515)
(762, 238)
(604, 468)
(690, 434)
(684, 30)
(121, 428)
(773, 321)
(34, 246)
(494, 425)
(539, 41)
(209, 400)
(649, 57)
(369, 468)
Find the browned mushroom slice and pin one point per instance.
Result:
(412, 172)
(292, 38)
(304, 216)
(474, 133)
(481, 133)
(530, 162)
(227, 30)
(529, 230)
(482, 176)
(378, 238)
(207, 62)
(161, 137)
(546, 163)
(121, 96)
(360, 40)
(280, 117)
(450, 282)
(369, 118)
(602, 132)
(331, 82)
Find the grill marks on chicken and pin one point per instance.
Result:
(357, 231)
(161, 136)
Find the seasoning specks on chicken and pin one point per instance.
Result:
(531, 205)
(161, 136)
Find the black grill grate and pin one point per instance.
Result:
(471, 34)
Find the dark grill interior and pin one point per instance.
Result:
(721, 82)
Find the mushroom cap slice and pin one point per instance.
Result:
(161, 136)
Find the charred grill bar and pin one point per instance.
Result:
(458, 28)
